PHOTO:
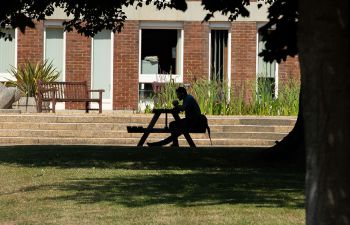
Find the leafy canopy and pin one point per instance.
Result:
(89, 17)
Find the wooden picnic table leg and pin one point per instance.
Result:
(150, 126)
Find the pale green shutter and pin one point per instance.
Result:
(54, 49)
(7, 51)
(102, 58)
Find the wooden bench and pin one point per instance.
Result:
(74, 91)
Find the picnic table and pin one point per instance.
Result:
(150, 129)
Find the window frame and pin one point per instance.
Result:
(162, 78)
(257, 63)
(5, 76)
(222, 26)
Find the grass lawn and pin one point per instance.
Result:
(73, 185)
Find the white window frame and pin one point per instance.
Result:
(221, 26)
(56, 24)
(257, 62)
(107, 104)
(7, 76)
(150, 78)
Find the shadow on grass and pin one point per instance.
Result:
(195, 189)
(141, 158)
(204, 176)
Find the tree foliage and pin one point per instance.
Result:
(89, 17)
(280, 32)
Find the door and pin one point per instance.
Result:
(102, 50)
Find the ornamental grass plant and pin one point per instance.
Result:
(27, 75)
(216, 98)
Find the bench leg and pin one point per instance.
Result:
(100, 107)
(87, 107)
(53, 106)
(39, 106)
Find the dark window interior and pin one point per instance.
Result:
(219, 54)
(160, 43)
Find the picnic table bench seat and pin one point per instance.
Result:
(138, 129)
(73, 91)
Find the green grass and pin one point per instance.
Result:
(123, 185)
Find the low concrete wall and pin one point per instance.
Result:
(25, 104)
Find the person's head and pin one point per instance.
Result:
(181, 93)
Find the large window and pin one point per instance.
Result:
(55, 49)
(7, 54)
(266, 73)
(161, 57)
(161, 51)
(219, 55)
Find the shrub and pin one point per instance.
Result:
(215, 98)
(28, 74)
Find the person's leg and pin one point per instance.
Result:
(177, 129)
(181, 127)
(162, 142)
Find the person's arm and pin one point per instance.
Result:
(177, 106)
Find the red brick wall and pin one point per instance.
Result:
(78, 61)
(126, 58)
(126, 67)
(30, 45)
(196, 54)
(78, 57)
(243, 57)
(289, 69)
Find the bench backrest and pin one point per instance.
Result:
(64, 90)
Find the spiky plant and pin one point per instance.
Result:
(27, 75)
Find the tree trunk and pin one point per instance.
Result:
(323, 41)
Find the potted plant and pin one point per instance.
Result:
(26, 77)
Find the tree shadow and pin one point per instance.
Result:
(204, 176)
(186, 190)
(140, 158)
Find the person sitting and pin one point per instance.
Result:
(192, 118)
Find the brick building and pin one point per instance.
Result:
(153, 46)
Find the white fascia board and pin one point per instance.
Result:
(194, 12)
(59, 14)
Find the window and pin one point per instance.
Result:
(145, 91)
(219, 55)
(160, 52)
(7, 54)
(266, 73)
(55, 49)
(160, 55)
